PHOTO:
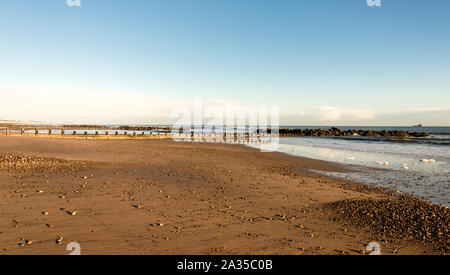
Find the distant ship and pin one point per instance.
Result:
(417, 126)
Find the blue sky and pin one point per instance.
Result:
(323, 62)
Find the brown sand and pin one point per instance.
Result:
(163, 197)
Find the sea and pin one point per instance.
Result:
(416, 166)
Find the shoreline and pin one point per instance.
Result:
(214, 199)
(404, 168)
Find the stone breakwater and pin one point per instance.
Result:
(338, 132)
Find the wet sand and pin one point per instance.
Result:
(163, 197)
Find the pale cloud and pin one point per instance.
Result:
(337, 114)
(419, 110)
(78, 105)
(65, 104)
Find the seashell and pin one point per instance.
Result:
(59, 240)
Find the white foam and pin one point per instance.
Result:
(419, 150)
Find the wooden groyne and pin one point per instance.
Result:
(72, 133)
(187, 135)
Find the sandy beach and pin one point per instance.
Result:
(163, 197)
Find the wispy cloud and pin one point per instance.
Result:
(77, 105)
(68, 104)
(332, 115)
(335, 114)
(65, 104)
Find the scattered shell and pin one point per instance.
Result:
(59, 240)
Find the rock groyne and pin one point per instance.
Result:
(339, 133)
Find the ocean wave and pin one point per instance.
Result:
(364, 144)
(435, 140)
